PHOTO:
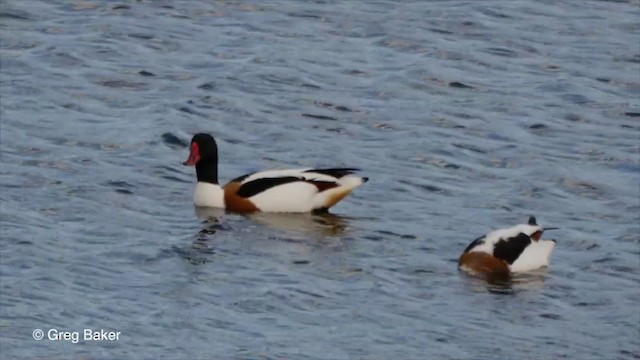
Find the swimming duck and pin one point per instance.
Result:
(506, 251)
(292, 190)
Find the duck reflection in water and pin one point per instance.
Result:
(315, 224)
(508, 285)
(291, 237)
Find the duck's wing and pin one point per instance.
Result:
(293, 190)
(510, 249)
(323, 179)
(336, 173)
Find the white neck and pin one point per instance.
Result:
(208, 195)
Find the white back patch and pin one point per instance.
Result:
(290, 197)
(534, 256)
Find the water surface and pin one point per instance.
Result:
(466, 116)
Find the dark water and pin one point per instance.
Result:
(466, 115)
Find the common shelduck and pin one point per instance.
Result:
(292, 190)
(506, 251)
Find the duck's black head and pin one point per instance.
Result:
(204, 155)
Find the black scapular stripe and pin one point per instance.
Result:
(336, 172)
(475, 243)
(257, 186)
(510, 249)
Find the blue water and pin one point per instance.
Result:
(467, 116)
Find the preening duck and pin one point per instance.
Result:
(505, 251)
(292, 190)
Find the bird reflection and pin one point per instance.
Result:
(508, 285)
(316, 224)
(308, 223)
(201, 248)
(209, 216)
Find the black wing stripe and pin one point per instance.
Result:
(323, 185)
(475, 243)
(510, 249)
(335, 172)
(255, 187)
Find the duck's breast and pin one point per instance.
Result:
(208, 195)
